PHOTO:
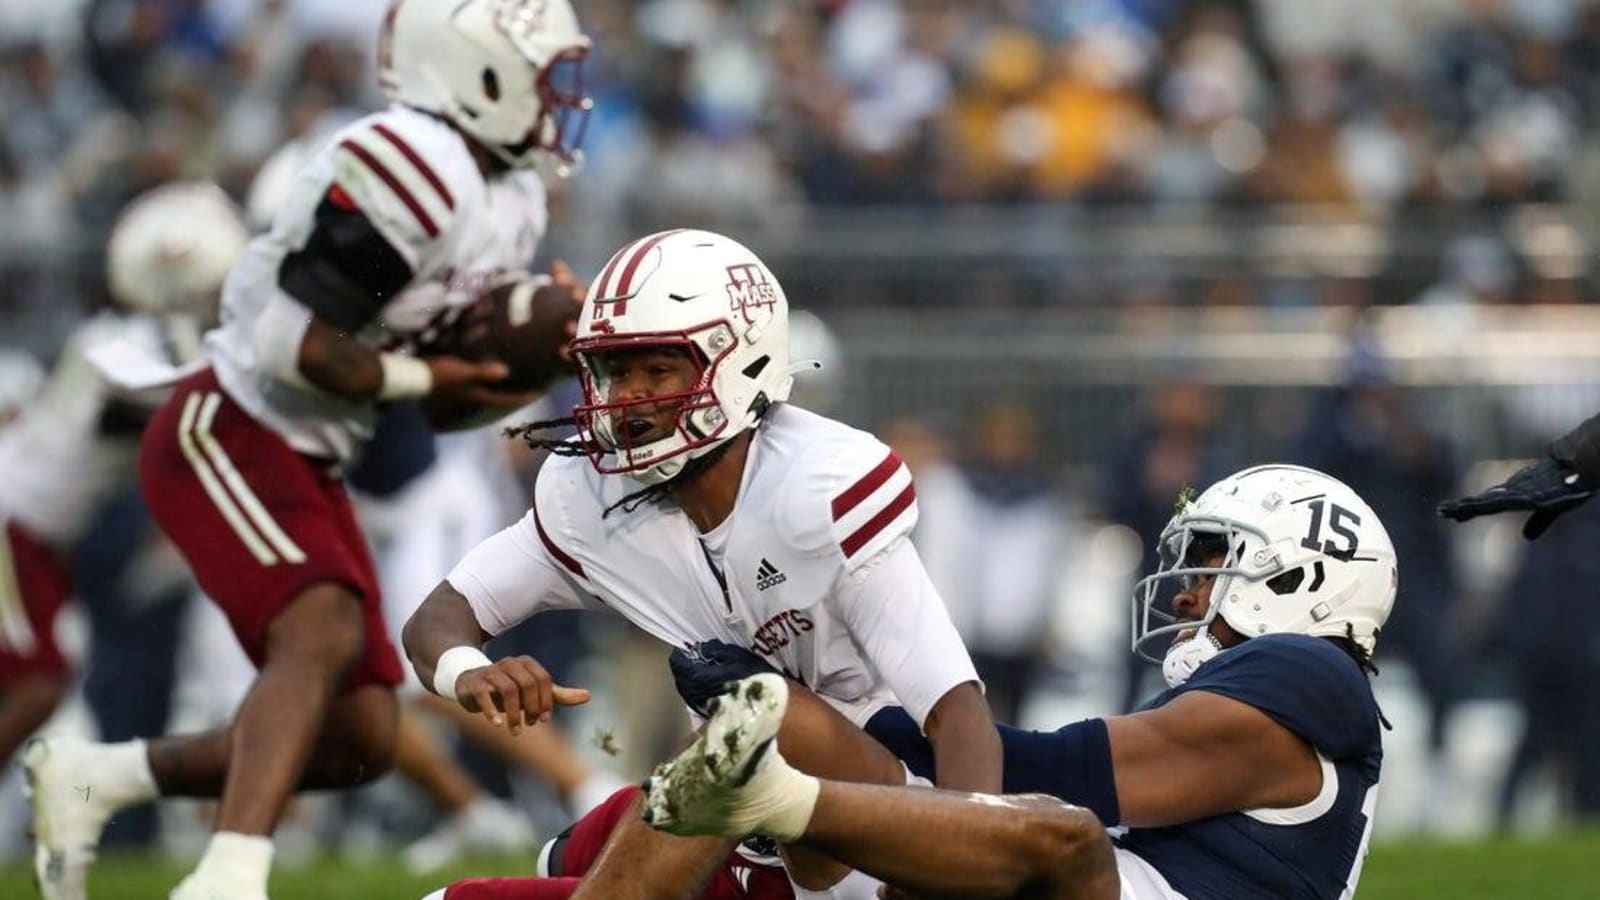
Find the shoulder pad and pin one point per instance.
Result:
(411, 175)
(1308, 684)
(851, 497)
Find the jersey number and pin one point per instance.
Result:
(1339, 522)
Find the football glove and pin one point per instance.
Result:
(704, 671)
(1547, 488)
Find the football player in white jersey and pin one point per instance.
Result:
(699, 505)
(72, 448)
(402, 215)
(1254, 777)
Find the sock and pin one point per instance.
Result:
(856, 884)
(241, 860)
(124, 774)
(789, 797)
(592, 791)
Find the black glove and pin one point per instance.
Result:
(707, 669)
(1547, 488)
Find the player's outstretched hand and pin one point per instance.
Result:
(1546, 488)
(514, 692)
(704, 671)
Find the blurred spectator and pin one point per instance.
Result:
(1173, 445)
(1011, 569)
(740, 115)
(1368, 436)
(1547, 629)
(1477, 270)
(944, 510)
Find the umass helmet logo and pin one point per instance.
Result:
(749, 290)
(520, 18)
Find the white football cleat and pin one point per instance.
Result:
(197, 887)
(486, 827)
(68, 814)
(732, 781)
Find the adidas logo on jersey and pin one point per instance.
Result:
(768, 575)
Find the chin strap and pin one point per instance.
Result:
(1185, 657)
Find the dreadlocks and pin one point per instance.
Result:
(1363, 658)
(530, 434)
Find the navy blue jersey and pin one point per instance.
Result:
(401, 449)
(1313, 688)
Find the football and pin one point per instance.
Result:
(523, 324)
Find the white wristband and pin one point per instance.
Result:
(451, 664)
(404, 376)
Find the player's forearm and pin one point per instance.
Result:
(338, 364)
(444, 620)
(966, 747)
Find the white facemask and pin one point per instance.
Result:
(1184, 657)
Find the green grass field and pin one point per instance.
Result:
(1565, 868)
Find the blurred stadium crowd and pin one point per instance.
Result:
(1378, 108)
(1384, 112)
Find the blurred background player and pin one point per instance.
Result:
(422, 502)
(72, 447)
(403, 214)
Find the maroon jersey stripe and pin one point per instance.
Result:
(417, 161)
(867, 532)
(561, 557)
(371, 162)
(853, 495)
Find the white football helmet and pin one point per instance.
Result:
(702, 292)
(172, 248)
(1301, 553)
(21, 377)
(507, 72)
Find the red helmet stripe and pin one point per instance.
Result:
(649, 243)
(602, 286)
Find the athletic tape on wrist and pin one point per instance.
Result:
(404, 376)
(451, 664)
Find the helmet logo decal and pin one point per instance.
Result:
(749, 290)
(520, 18)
